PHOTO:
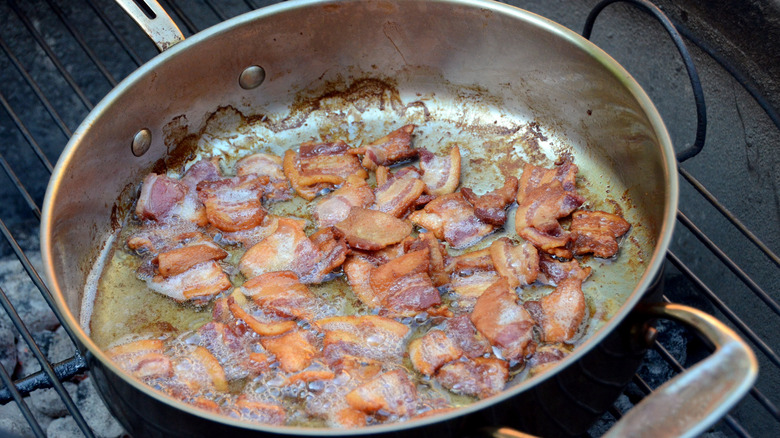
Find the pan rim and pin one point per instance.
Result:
(653, 266)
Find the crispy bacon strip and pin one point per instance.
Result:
(294, 350)
(270, 165)
(436, 267)
(506, 324)
(155, 238)
(398, 195)
(284, 250)
(179, 260)
(441, 175)
(480, 377)
(208, 364)
(560, 313)
(334, 207)
(144, 359)
(257, 411)
(554, 271)
(252, 236)
(469, 262)
(468, 288)
(434, 349)
(262, 328)
(199, 283)
(391, 392)
(534, 177)
(282, 294)
(462, 331)
(372, 230)
(234, 204)
(403, 285)
(320, 166)
(358, 272)
(519, 264)
(451, 218)
(229, 349)
(369, 337)
(491, 207)
(597, 232)
(392, 148)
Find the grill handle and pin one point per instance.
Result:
(695, 399)
(154, 21)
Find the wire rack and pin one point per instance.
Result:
(43, 97)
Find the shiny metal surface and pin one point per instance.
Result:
(500, 64)
(154, 21)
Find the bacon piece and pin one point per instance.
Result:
(370, 337)
(480, 377)
(372, 230)
(309, 376)
(179, 260)
(397, 196)
(534, 177)
(159, 195)
(517, 263)
(544, 205)
(260, 164)
(203, 170)
(282, 293)
(503, 322)
(469, 262)
(597, 232)
(451, 218)
(230, 351)
(201, 369)
(491, 207)
(156, 238)
(262, 328)
(284, 250)
(205, 404)
(294, 350)
(462, 331)
(468, 288)
(391, 392)
(320, 166)
(252, 236)
(199, 283)
(434, 349)
(349, 418)
(143, 359)
(233, 204)
(332, 251)
(441, 175)
(334, 207)
(358, 272)
(546, 357)
(392, 148)
(257, 411)
(403, 285)
(560, 314)
(437, 252)
(554, 271)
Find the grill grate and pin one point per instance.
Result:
(52, 73)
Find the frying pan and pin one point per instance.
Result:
(476, 72)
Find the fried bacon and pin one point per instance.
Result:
(390, 149)
(230, 351)
(469, 262)
(252, 236)
(519, 264)
(451, 218)
(369, 337)
(287, 249)
(319, 166)
(267, 327)
(398, 195)
(545, 357)
(554, 271)
(179, 260)
(534, 177)
(597, 232)
(159, 195)
(560, 313)
(257, 411)
(441, 175)
(392, 392)
(200, 369)
(462, 331)
(233, 204)
(372, 230)
(480, 377)
(203, 170)
(334, 207)
(294, 350)
(434, 349)
(506, 324)
(468, 288)
(436, 266)
(277, 188)
(491, 207)
(403, 285)
(281, 293)
(198, 284)
(358, 272)
(144, 359)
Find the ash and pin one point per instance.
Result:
(17, 359)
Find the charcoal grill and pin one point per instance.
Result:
(59, 58)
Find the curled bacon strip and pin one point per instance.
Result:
(319, 166)
(441, 175)
(234, 204)
(597, 232)
(451, 218)
(334, 207)
(392, 148)
(506, 324)
(277, 188)
(491, 207)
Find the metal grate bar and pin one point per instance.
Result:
(729, 215)
(26, 134)
(20, 187)
(184, 19)
(52, 57)
(80, 39)
(17, 397)
(112, 29)
(724, 309)
(64, 370)
(215, 9)
(36, 89)
(45, 366)
(757, 290)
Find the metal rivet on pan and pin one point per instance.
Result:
(141, 142)
(251, 77)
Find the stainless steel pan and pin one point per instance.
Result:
(475, 71)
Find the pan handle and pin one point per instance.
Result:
(694, 400)
(154, 21)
